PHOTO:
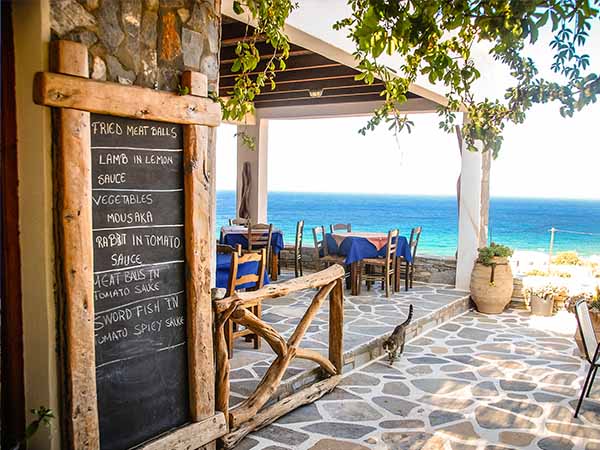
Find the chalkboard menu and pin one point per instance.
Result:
(139, 279)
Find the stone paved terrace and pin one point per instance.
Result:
(477, 382)
(368, 319)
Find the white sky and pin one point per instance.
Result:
(547, 156)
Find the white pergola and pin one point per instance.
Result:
(347, 101)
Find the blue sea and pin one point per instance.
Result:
(522, 224)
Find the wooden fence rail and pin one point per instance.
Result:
(247, 415)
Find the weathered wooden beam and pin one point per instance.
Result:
(336, 326)
(312, 281)
(245, 317)
(197, 249)
(282, 407)
(229, 58)
(310, 314)
(265, 389)
(222, 364)
(196, 82)
(304, 62)
(74, 222)
(64, 91)
(191, 436)
(327, 73)
(315, 356)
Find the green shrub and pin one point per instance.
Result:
(486, 254)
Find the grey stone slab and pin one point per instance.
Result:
(355, 411)
(338, 395)
(439, 385)
(283, 435)
(427, 360)
(411, 440)
(514, 385)
(518, 407)
(495, 419)
(484, 389)
(395, 405)
(306, 413)
(474, 334)
(440, 417)
(381, 368)
(339, 430)
(396, 388)
(359, 379)
(396, 424)
(467, 359)
(555, 443)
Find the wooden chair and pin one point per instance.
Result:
(321, 251)
(345, 227)
(591, 347)
(239, 221)
(231, 331)
(387, 265)
(405, 267)
(228, 249)
(259, 236)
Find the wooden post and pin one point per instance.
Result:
(197, 229)
(74, 210)
(336, 326)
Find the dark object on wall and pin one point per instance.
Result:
(244, 211)
(139, 279)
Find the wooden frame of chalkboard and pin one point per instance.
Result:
(75, 97)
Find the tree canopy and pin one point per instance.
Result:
(436, 39)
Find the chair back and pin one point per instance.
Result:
(228, 249)
(586, 329)
(415, 234)
(299, 235)
(258, 278)
(392, 245)
(320, 241)
(259, 236)
(347, 227)
(239, 221)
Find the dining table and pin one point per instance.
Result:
(224, 267)
(355, 246)
(236, 234)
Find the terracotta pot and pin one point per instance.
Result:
(595, 316)
(492, 286)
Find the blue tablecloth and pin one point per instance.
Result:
(233, 239)
(223, 266)
(356, 248)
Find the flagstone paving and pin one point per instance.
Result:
(477, 382)
(367, 319)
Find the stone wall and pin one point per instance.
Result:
(143, 42)
(429, 269)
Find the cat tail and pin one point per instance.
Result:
(409, 317)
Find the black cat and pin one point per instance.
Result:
(394, 345)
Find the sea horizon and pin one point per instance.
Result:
(522, 223)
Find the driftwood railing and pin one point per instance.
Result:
(247, 416)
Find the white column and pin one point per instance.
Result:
(258, 159)
(469, 220)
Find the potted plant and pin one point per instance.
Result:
(593, 302)
(492, 280)
(541, 299)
